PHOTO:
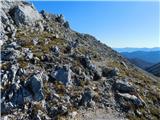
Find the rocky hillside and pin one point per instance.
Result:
(49, 71)
(155, 69)
(140, 63)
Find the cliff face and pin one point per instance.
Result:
(49, 71)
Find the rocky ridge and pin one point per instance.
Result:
(49, 71)
(154, 69)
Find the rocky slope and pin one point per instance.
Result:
(49, 71)
(140, 63)
(154, 69)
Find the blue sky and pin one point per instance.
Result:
(118, 24)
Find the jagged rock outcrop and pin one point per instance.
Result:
(24, 14)
(19, 12)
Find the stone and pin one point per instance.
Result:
(21, 72)
(44, 14)
(10, 28)
(124, 64)
(35, 60)
(60, 19)
(4, 18)
(47, 28)
(67, 98)
(63, 75)
(115, 72)
(47, 16)
(6, 107)
(73, 114)
(13, 34)
(37, 117)
(136, 101)
(35, 41)
(138, 113)
(4, 77)
(56, 95)
(92, 104)
(45, 76)
(35, 84)
(46, 41)
(14, 45)
(71, 46)
(54, 111)
(10, 55)
(57, 36)
(62, 109)
(27, 53)
(14, 68)
(87, 97)
(25, 14)
(4, 117)
(40, 27)
(86, 62)
(46, 58)
(66, 25)
(56, 50)
(1, 42)
(18, 98)
(27, 95)
(97, 74)
(110, 72)
(123, 86)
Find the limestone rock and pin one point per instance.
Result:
(56, 50)
(63, 75)
(25, 14)
(123, 87)
(87, 97)
(133, 98)
(35, 84)
(109, 72)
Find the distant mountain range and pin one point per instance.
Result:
(145, 58)
(128, 49)
(148, 56)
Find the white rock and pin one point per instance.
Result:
(25, 14)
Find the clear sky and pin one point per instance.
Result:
(118, 24)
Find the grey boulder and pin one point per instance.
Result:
(110, 72)
(56, 50)
(28, 53)
(14, 45)
(63, 75)
(87, 98)
(86, 62)
(25, 14)
(10, 54)
(123, 87)
(136, 101)
(35, 84)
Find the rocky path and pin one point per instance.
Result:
(100, 114)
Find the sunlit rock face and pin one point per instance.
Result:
(25, 14)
